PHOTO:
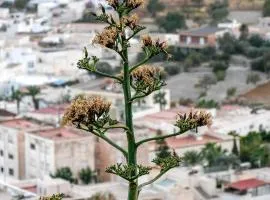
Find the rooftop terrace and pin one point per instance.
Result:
(21, 124)
(60, 134)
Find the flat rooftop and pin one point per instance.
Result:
(53, 110)
(202, 31)
(190, 140)
(21, 124)
(247, 184)
(63, 133)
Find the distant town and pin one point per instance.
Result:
(219, 62)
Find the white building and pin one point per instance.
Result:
(226, 119)
(46, 151)
(249, 185)
(4, 13)
(229, 24)
(12, 154)
(46, 8)
(31, 25)
(240, 119)
(19, 56)
(51, 115)
(193, 142)
(36, 187)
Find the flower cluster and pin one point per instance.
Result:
(147, 78)
(53, 197)
(107, 37)
(131, 21)
(125, 6)
(169, 162)
(134, 3)
(88, 111)
(153, 47)
(113, 3)
(127, 171)
(88, 63)
(193, 120)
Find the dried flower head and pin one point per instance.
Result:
(147, 78)
(193, 120)
(113, 3)
(134, 3)
(107, 37)
(131, 21)
(147, 74)
(87, 110)
(162, 45)
(153, 47)
(53, 197)
(147, 40)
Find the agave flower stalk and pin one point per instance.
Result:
(138, 81)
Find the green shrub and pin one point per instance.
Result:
(254, 52)
(218, 66)
(241, 47)
(256, 40)
(86, 175)
(172, 69)
(207, 104)
(64, 173)
(231, 91)
(220, 75)
(258, 64)
(185, 101)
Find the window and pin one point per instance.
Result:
(10, 140)
(10, 156)
(1, 152)
(47, 167)
(32, 146)
(2, 169)
(10, 172)
(31, 64)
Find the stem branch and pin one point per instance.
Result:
(153, 180)
(107, 75)
(158, 138)
(147, 58)
(100, 135)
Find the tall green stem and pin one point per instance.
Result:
(132, 149)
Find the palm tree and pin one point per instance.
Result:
(235, 150)
(212, 153)
(17, 95)
(64, 173)
(192, 158)
(33, 91)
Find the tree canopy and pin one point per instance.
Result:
(266, 8)
(218, 11)
(20, 4)
(155, 6)
(172, 21)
